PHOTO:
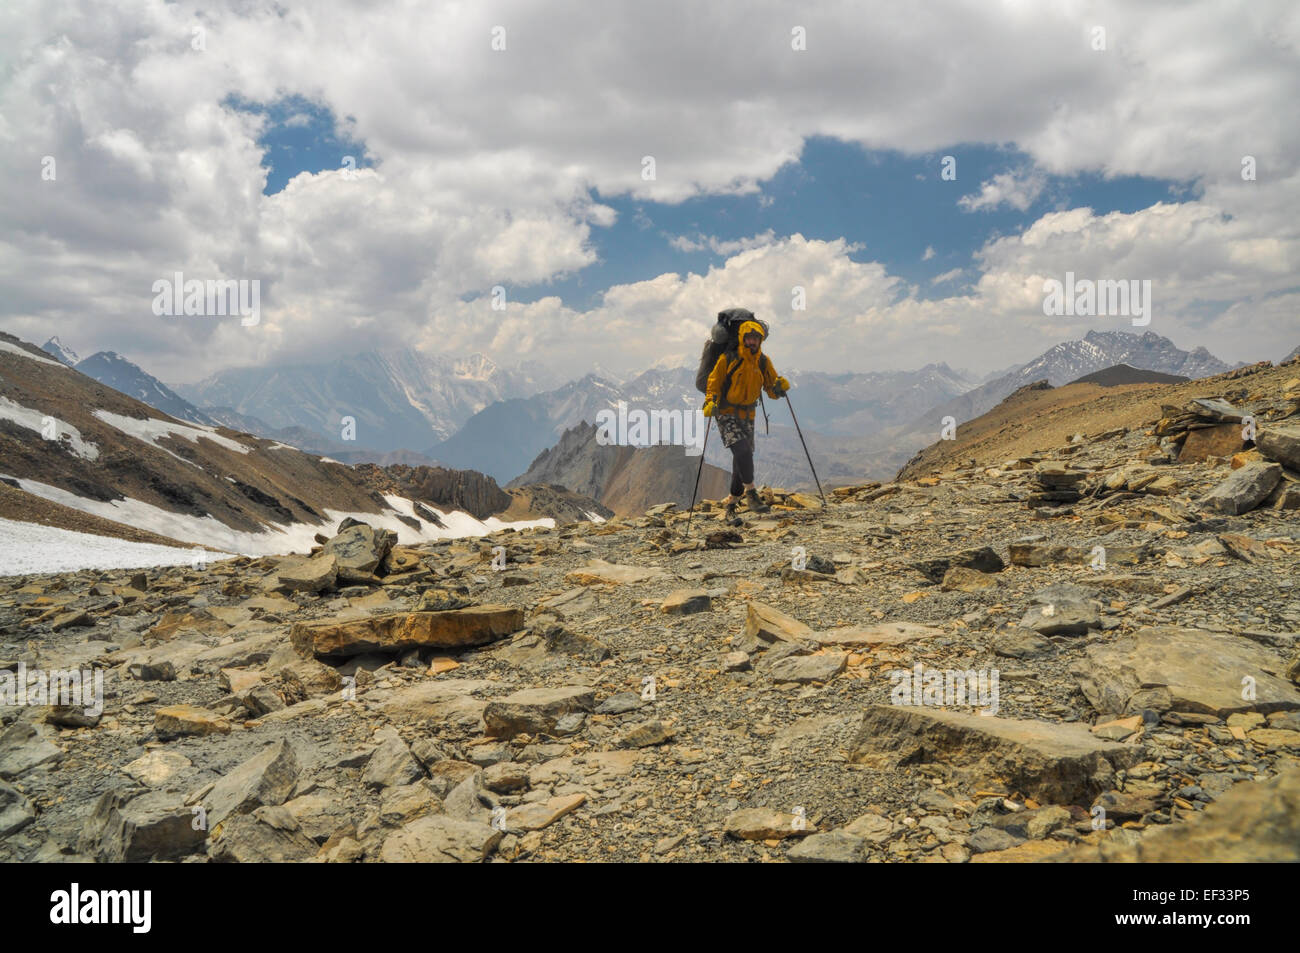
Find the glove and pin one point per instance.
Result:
(709, 407)
(782, 385)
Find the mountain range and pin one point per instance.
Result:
(397, 399)
(472, 414)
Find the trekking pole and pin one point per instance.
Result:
(707, 424)
(805, 450)
(767, 427)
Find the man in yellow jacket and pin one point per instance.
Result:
(730, 397)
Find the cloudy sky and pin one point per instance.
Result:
(625, 170)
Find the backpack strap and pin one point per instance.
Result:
(732, 367)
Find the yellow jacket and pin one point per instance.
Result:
(749, 374)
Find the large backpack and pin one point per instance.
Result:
(724, 337)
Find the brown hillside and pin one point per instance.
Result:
(1032, 421)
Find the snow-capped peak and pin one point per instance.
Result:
(55, 348)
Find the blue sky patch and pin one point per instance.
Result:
(892, 206)
(300, 136)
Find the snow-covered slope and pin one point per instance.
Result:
(71, 445)
(115, 371)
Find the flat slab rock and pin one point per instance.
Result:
(770, 624)
(982, 559)
(766, 823)
(16, 810)
(829, 847)
(869, 636)
(535, 710)
(174, 721)
(1189, 670)
(23, 746)
(402, 631)
(809, 668)
(539, 814)
(599, 571)
(1059, 763)
(686, 602)
(308, 575)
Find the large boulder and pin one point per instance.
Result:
(1280, 443)
(1061, 763)
(358, 550)
(269, 835)
(1244, 489)
(1221, 440)
(403, 631)
(391, 764)
(308, 575)
(125, 828)
(266, 779)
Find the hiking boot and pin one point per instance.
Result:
(729, 512)
(755, 502)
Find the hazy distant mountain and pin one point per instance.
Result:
(849, 404)
(1295, 353)
(399, 399)
(859, 404)
(115, 371)
(502, 439)
(836, 410)
(62, 354)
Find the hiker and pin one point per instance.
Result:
(730, 395)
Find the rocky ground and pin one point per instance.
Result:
(630, 692)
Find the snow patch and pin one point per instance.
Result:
(593, 517)
(278, 538)
(30, 548)
(458, 523)
(151, 430)
(35, 420)
(21, 352)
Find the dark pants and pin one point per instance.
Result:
(742, 465)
